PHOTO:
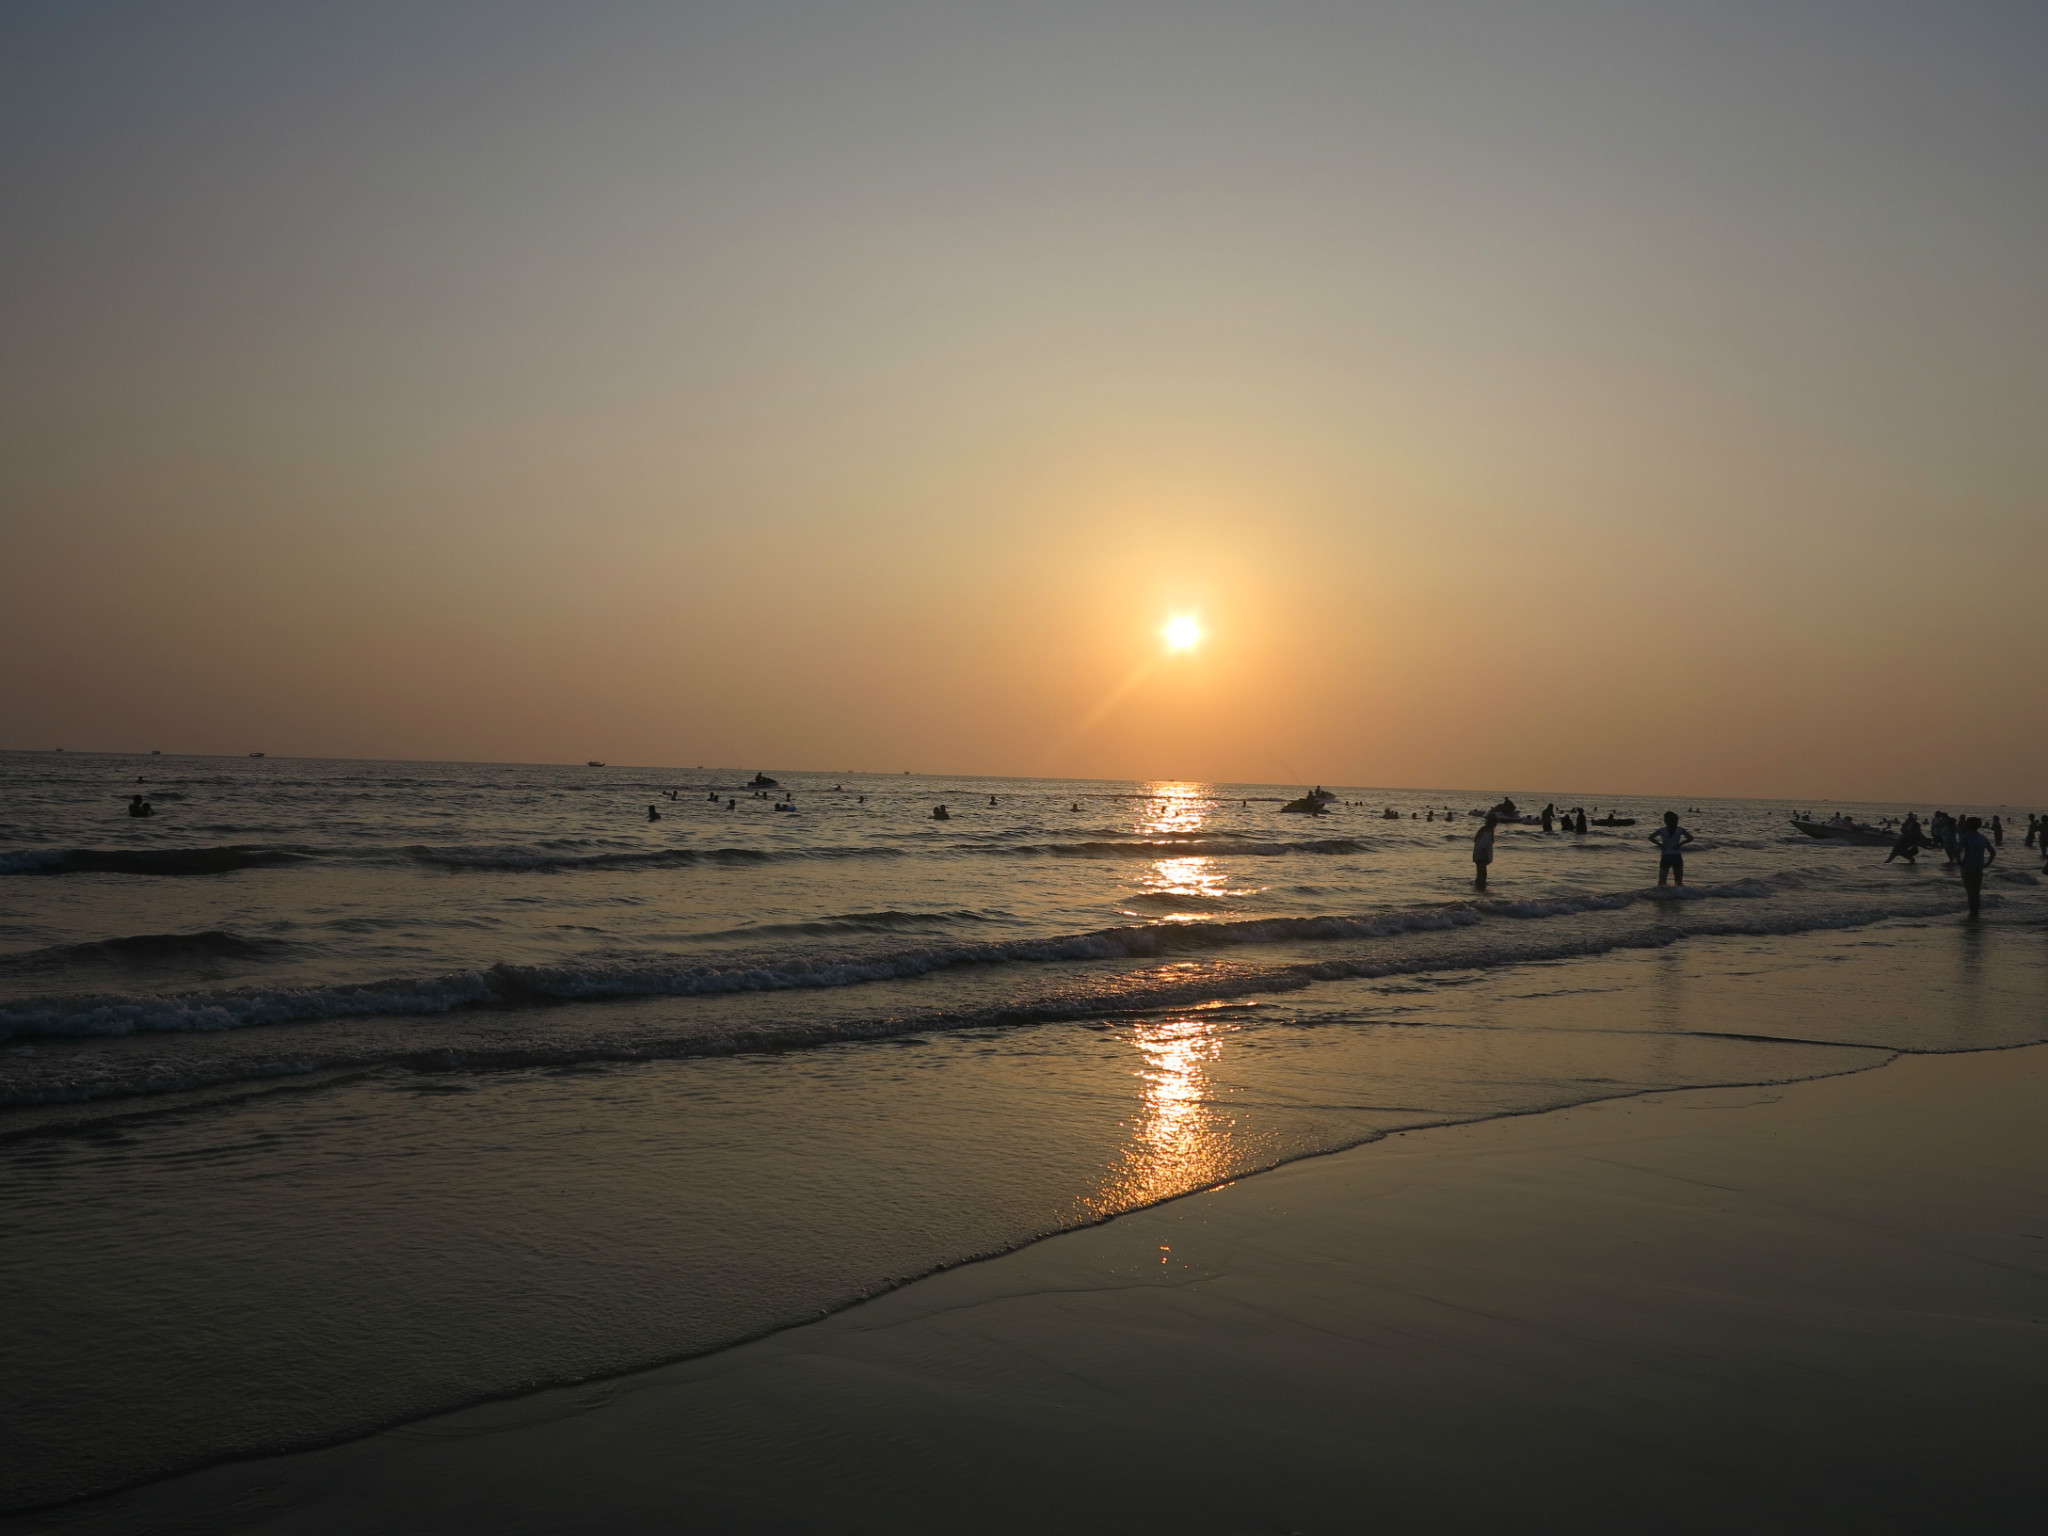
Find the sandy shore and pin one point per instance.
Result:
(1821, 1307)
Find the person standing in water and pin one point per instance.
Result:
(1671, 839)
(1976, 853)
(1482, 850)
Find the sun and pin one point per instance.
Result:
(1183, 632)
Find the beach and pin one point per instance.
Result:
(924, 768)
(1818, 1307)
(324, 1132)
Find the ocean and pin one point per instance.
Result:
(340, 1093)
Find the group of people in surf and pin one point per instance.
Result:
(1670, 839)
(1967, 842)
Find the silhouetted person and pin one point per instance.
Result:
(714, 797)
(732, 805)
(653, 814)
(1997, 832)
(137, 806)
(2033, 826)
(1910, 839)
(1579, 821)
(1549, 815)
(1671, 839)
(1482, 850)
(1976, 853)
(940, 813)
(991, 799)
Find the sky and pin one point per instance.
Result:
(1639, 395)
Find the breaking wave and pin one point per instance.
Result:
(509, 986)
(147, 861)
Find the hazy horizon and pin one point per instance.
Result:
(1575, 391)
(918, 774)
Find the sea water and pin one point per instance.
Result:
(337, 1093)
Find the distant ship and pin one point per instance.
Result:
(255, 754)
(593, 763)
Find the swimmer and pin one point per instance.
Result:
(940, 813)
(137, 806)
(653, 814)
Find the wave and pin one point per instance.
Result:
(1185, 848)
(543, 861)
(147, 861)
(860, 922)
(510, 986)
(1094, 996)
(144, 949)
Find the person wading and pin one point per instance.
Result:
(1975, 853)
(1671, 839)
(1482, 850)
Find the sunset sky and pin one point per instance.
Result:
(1612, 395)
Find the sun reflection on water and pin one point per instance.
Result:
(1189, 887)
(1180, 1138)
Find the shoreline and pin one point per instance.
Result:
(622, 1433)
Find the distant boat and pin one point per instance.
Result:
(1848, 832)
(593, 763)
(255, 754)
(762, 781)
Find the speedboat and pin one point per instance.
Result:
(762, 781)
(1849, 831)
(1307, 805)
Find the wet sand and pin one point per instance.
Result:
(1811, 1308)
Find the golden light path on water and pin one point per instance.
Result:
(1178, 810)
(1180, 1139)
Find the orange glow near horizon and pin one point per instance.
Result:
(828, 404)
